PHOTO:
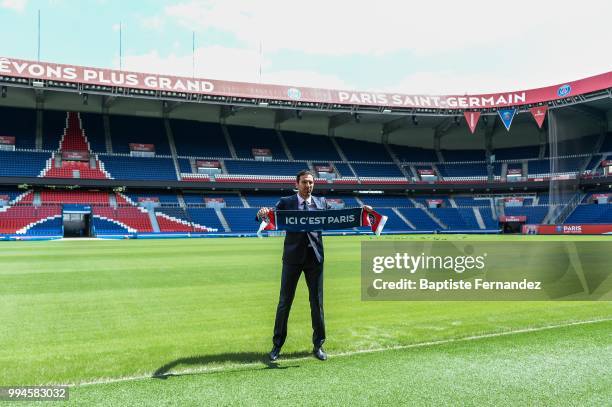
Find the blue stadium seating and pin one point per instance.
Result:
(456, 218)
(54, 123)
(246, 138)
(463, 155)
(591, 213)
(349, 201)
(139, 168)
(414, 154)
(164, 197)
(19, 123)
(310, 146)
(357, 150)
(176, 212)
(593, 162)
(231, 200)
(199, 139)
(257, 201)
(241, 219)
(265, 167)
(543, 199)
(538, 167)
(185, 165)
(11, 192)
(93, 125)
(377, 170)
(343, 169)
(535, 214)
(487, 216)
(104, 226)
(606, 147)
(463, 170)
(134, 129)
(387, 201)
(466, 201)
(22, 163)
(50, 227)
(394, 222)
(419, 218)
(581, 145)
(517, 153)
(206, 217)
(422, 199)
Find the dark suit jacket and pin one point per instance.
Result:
(296, 243)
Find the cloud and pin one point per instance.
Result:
(222, 63)
(525, 45)
(15, 5)
(342, 27)
(211, 62)
(152, 22)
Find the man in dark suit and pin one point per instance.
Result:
(303, 251)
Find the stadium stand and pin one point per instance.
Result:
(591, 213)
(21, 124)
(199, 139)
(414, 154)
(310, 146)
(139, 168)
(357, 150)
(23, 163)
(93, 126)
(420, 219)
(245, 139)
(135, 129)
(38, 212)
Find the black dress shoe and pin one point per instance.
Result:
(319, 353)
(274, 353)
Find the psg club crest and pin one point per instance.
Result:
(294, 93)
(564, 90)
(506, 115)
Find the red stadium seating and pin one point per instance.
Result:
(130, 216)
(75, 197)
(168, 224)
(74, 140)
(15, 218)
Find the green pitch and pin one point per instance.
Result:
(199, 313)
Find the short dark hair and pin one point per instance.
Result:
(301, 173)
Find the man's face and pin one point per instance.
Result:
(305, 185)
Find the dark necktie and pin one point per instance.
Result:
(312, 236)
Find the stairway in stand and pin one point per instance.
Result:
(72, 159)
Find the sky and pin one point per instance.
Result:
(424, 47)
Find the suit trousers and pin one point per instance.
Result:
(313, 271)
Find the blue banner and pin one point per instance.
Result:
(307, 221)
(507, 115)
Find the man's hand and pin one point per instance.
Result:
(368, 208)
(263, 212)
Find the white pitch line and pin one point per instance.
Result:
(335, 355)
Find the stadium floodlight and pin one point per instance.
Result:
(263, 104)
(38, 84)
(4, 90)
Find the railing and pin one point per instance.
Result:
(565, 212)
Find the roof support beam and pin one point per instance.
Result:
(340, 120)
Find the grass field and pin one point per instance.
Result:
(106, 316)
